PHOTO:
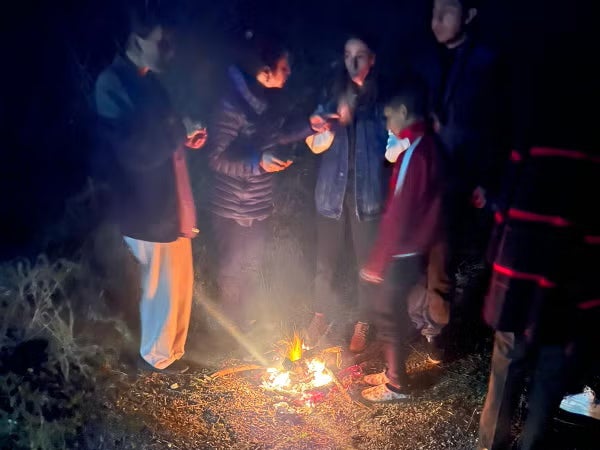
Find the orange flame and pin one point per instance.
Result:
(294, 350)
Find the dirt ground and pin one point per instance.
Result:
(196, 411)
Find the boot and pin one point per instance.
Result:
(358, 343)
(317, 328)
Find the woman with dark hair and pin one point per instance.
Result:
(245, 136)
(350, 187)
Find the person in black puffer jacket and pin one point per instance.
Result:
(244, 137)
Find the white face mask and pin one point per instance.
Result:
(395, 147)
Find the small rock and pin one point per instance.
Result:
(175, 386)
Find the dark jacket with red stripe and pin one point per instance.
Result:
(411, 222)
(546, 246)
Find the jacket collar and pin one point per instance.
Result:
(413, 132)
(241, 85)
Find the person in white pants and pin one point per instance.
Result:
(151, 193)
(166, 304)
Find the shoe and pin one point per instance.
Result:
(583, 404)
(358, 343)
(383, 393)
(176, 368)
(375, 379)
(315, 331)
(435, 354)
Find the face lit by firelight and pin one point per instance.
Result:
(449, 19)
(359, 60)
(155, 50)
(276, 77)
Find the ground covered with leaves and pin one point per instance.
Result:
(198, 411)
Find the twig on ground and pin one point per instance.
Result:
(339, 385)
(233, 370)
(470, 422)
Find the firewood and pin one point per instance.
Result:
(233, 370)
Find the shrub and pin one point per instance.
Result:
(47, 368)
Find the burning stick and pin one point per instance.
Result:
(339, 385)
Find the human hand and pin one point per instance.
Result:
(196, 133)
(318, 123)
(270, 163)
(478, 198)
(197, 139)
(436, 124)
(370, 276)
(344, 112)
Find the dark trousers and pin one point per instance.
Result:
(428, 303)
(240, 258)
(331, 243)
(389, 309)
(511, 359)
(468, 232)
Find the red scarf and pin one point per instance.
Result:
(412, 133)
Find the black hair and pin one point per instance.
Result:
(469, 4)
(369, 93)
(410, 91)
(261, 50)
(145, 16)
(370, 39)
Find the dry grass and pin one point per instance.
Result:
(50, 353)
(196, 411)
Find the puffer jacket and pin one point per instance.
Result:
(243, 128)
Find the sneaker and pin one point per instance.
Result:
(315, 331)
(583, 404)
(375, 379)
(176, 368)
(358, 343)
(384, 393)
(435, 354)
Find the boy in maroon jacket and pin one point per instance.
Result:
(408, 229)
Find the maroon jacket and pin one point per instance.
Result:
(412, 219)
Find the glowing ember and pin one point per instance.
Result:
(300, 375)
(317, 368)
(314, 375)
(277, 380)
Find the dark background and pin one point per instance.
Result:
(52, 52)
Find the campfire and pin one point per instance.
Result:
(302, 375)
